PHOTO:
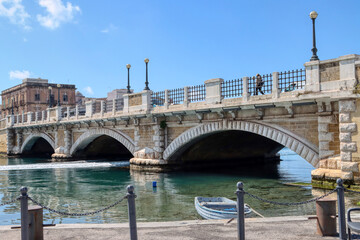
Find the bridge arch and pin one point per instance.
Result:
(298, 144)
(33, 137)
(90, 135)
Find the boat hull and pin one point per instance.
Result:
(217, 208)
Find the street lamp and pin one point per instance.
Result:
(314, 57)
(58, 87)
(50, 88)
(128, 66)
(146, 82)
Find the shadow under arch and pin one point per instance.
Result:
(104, 136)
(46, 144)
(277, 134)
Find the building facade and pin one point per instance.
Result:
(34, 95)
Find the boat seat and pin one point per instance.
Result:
(214, 204)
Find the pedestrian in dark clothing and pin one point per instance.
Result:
(259, 84)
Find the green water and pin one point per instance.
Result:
(89, 189)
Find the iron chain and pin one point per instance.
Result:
(352, 191)
(290, 204)
(10, 202)
(76, 214)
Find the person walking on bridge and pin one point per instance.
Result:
(259, 84)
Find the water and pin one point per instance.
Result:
(71, 187)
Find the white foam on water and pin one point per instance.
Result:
(77, 164)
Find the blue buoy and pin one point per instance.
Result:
(154, 184)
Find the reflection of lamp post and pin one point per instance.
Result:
(128, 66)
(58, 86)
(146, 82)
(50, 88)
(313, 16)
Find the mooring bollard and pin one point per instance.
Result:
(132, 212)
(24, 214)
(341, 209)
(240, 211)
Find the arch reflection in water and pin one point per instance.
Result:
(83, 190)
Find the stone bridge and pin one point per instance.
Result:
(313, 112)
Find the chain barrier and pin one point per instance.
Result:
(76, 214)
(291, 204)
(352, 191)
(10, 202)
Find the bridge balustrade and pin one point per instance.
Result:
(176, 96)
(109, 106)
(196, 93)
(119, 104)
(232, 88)
(292, 80)
(158, 98)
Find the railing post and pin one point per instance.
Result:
(275, 85)
(240, 211)
(43, 115)
(77, 111)
(132, 212)
(29, 114)
(245, 94)
(341, 209)
(24, 214)
(186, 96)
(102, 108)
(166, 100)
(68, 113)
(114, 107)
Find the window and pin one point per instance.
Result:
(37, 97)
(65, 97)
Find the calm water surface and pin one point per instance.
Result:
(88, 189)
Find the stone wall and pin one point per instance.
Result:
(305, 128)
(329, 72)
(3, 142)
(348, 118)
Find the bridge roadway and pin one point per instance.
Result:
(313, 112)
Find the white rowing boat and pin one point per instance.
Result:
(218, 207)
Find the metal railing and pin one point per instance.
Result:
(119, 104)
(196, 93)
(96, 107)
(262, 86)
(240, 192)
(292, 80)
(130, 196)
(158, 98)
(109, 106)
(24, 198)
(176, 96)
(232, 88)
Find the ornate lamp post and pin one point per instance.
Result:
(313, 16)
(128, 66)
(146, 82)
(58, 87)
(50, 103)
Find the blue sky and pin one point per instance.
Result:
(89, 43)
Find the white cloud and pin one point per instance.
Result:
(15, 12)
(110, 28)
(89, 90)
(57, 13)
(25, 39)
(19, 74)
